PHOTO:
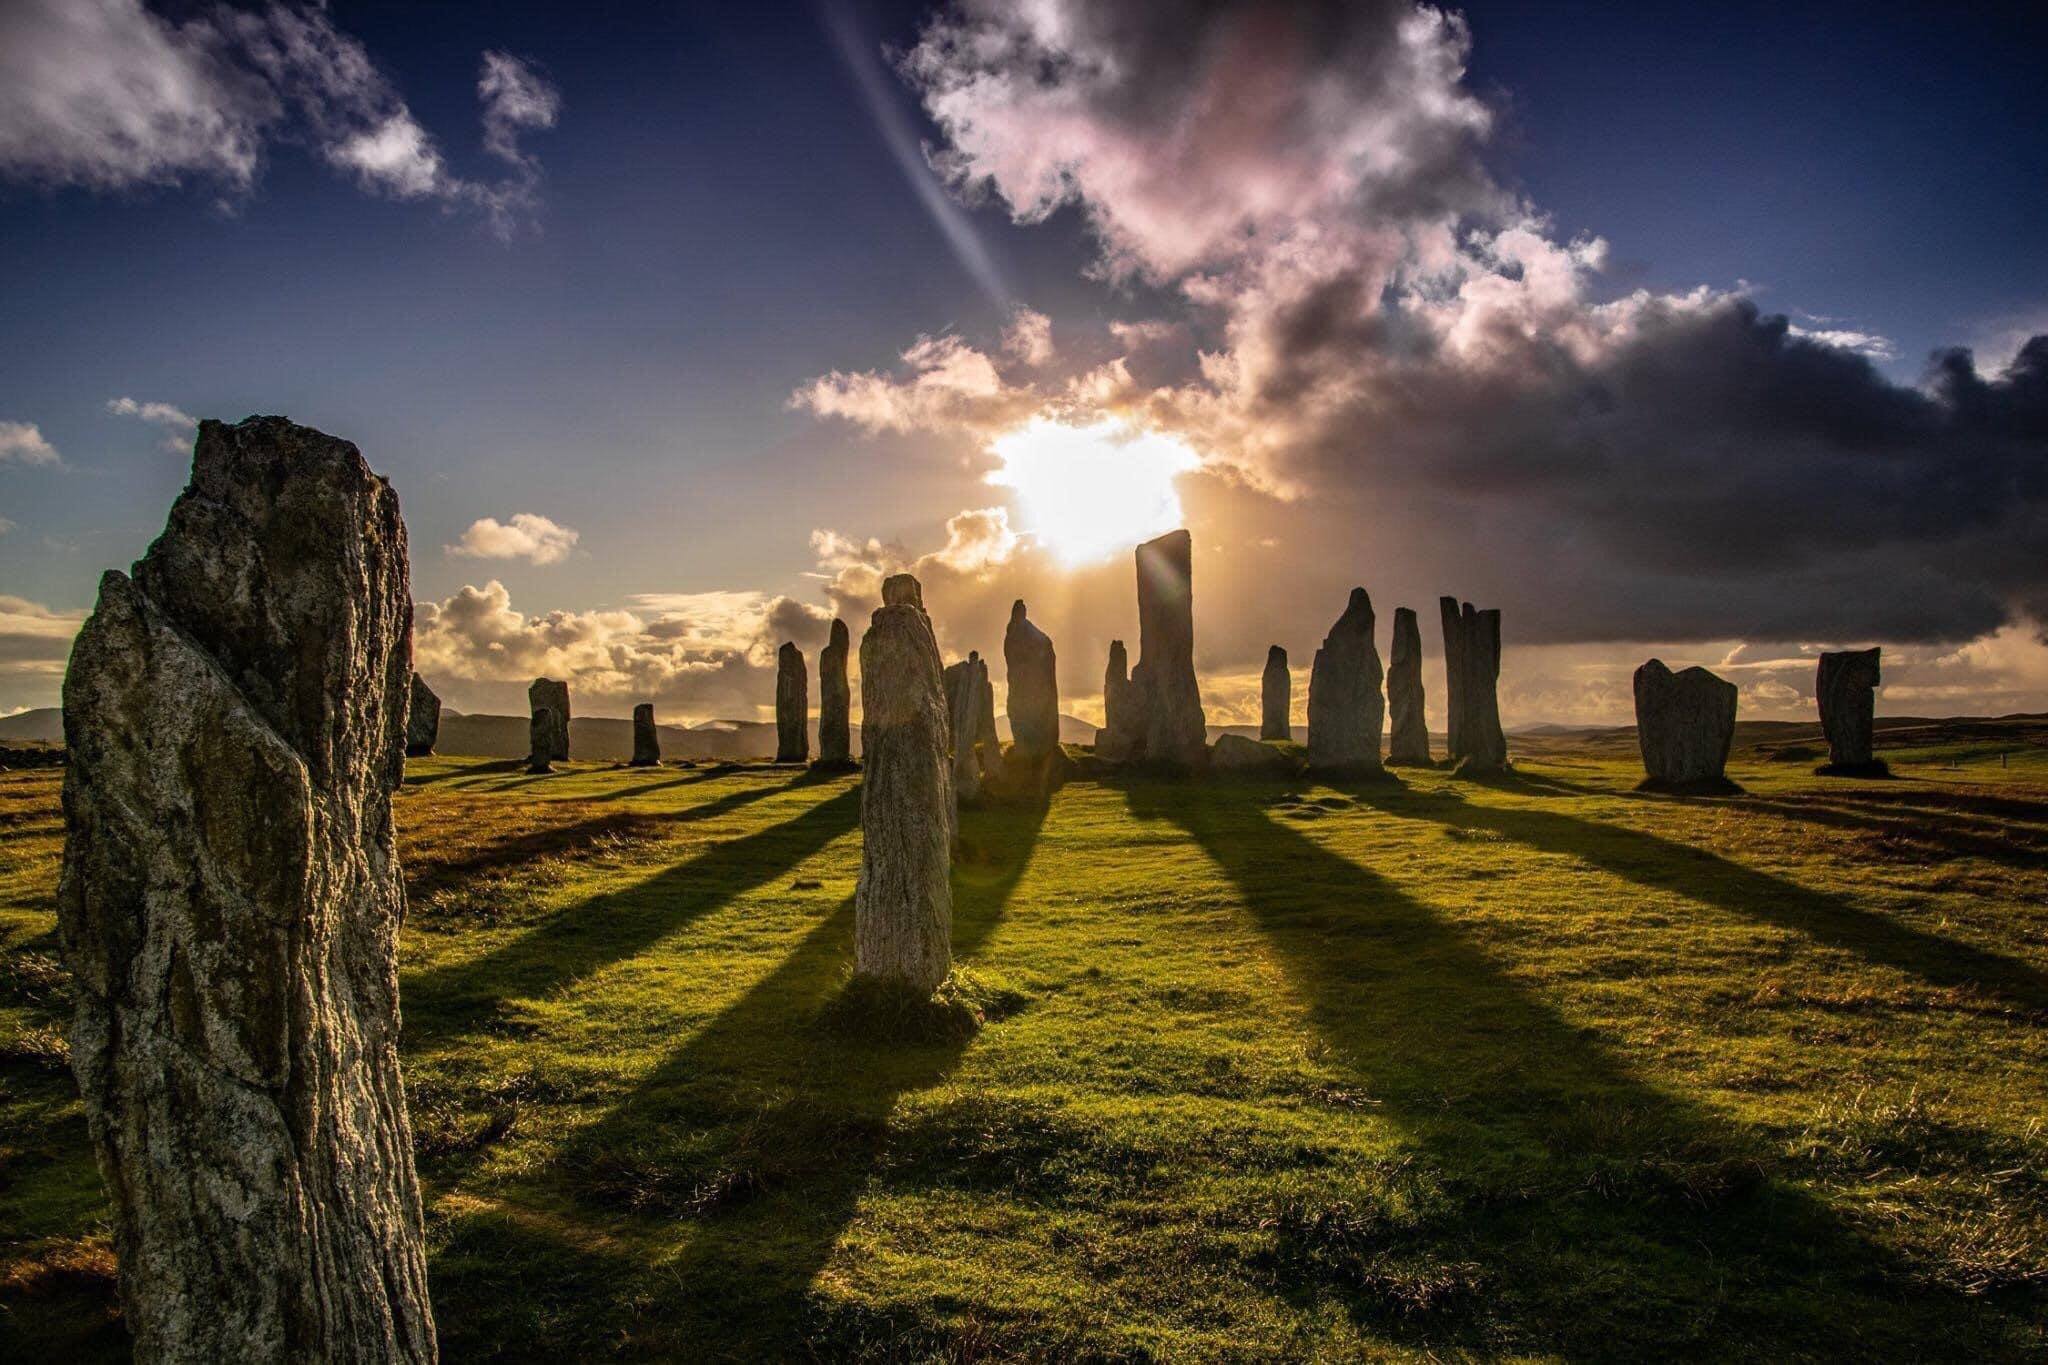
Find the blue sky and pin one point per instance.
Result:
(717, 220)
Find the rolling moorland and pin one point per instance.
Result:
(1541, 1068)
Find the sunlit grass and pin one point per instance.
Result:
(1544, 1068)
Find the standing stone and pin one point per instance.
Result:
(546, 692)
(543, 737)
(422, 719)
(229, 907)
(1846, 689)
(646, 740)
(835, 702)
(792, 705)
(1472, 682)
(903, 902)
(1345, 710)
(1276, 697)
(1408, 743)
(985, 736)
(968, 694)
(1684, 724)
(1034, 686)
(1176, 731)
(1122, 730)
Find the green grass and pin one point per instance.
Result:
(1541, 1069)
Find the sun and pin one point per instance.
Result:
(1086, 492)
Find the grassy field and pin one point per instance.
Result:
(1540, 1069)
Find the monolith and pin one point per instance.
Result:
(967, 692)
(1471, 685)
(835, 702)
(1276, 697)
(1034, 685)
(422, 719)
(646, 739)
(1685, 722)
(229, 907)
(1408, 740)
(546, 692)
(1345, 710)
(792, 705)
(903, 902)
(1176, 733)
(1846, 689)
(543, 737)
(1122, 730)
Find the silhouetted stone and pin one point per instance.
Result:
(1236, 754)
(1276, 697)
(229, 907)
(968, 694)
(422, 719)
(835, 702)
(1471, 684)
(1685, 722)
(646, 739)
(903, 903)
(1846, 688)
(1169, 700)
(1345, 710)
(1032, 670)
(1122, 725)
(1408, 742)
(555, 696)
(543, 738)
(792, 705)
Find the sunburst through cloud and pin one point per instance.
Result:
(1087, 491)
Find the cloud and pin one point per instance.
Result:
(108, 95)
(35, 644)
(1028, 338)
(23, 443)
(950, 386)
(526, 536)
(1848, 339)
(180, 424)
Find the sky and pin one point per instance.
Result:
(1676, 330)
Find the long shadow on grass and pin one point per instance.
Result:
(767, 1125)
(1581, 1210)
(582, 938)
(1706, 877)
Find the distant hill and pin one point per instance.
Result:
(44, 724)
(606, 740)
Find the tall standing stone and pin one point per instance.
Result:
(1276, 697)
(554, 696)
(903, 902)
(968, 695)
(229, 906)
(646, 739)
(792, 705)
(1034, 685)
(1846, 689)
(1472, 685)
(543, 737)
(1408, 741)
(835, 702)
(1685, 723)
(1122, 730)
(1345, 709)
(1176, 733)
(422, 719)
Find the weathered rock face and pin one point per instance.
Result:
(968, 695)
(835, 702)
(903, 903)
(546, 692)
(1684, 724)
(646, 739)
(1034, 685)
(1472, 680)
(1847, 691)
(422, 719)
(1176, 732)
(1409, 741)
(1345, 710)
(792, 705)
(1276, 697)
(1236, 754)
(544, 731)
(1122, 732)
(230, 903)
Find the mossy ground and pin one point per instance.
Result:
(1543, 1068)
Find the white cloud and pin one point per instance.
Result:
(1847, 339)
(527, 536)
(1028, 338)
(23, 442)
(179, 424)
(516, 100)
(951, 386)
(35, 643)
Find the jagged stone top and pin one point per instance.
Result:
(1357, 617)
(902, 590)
